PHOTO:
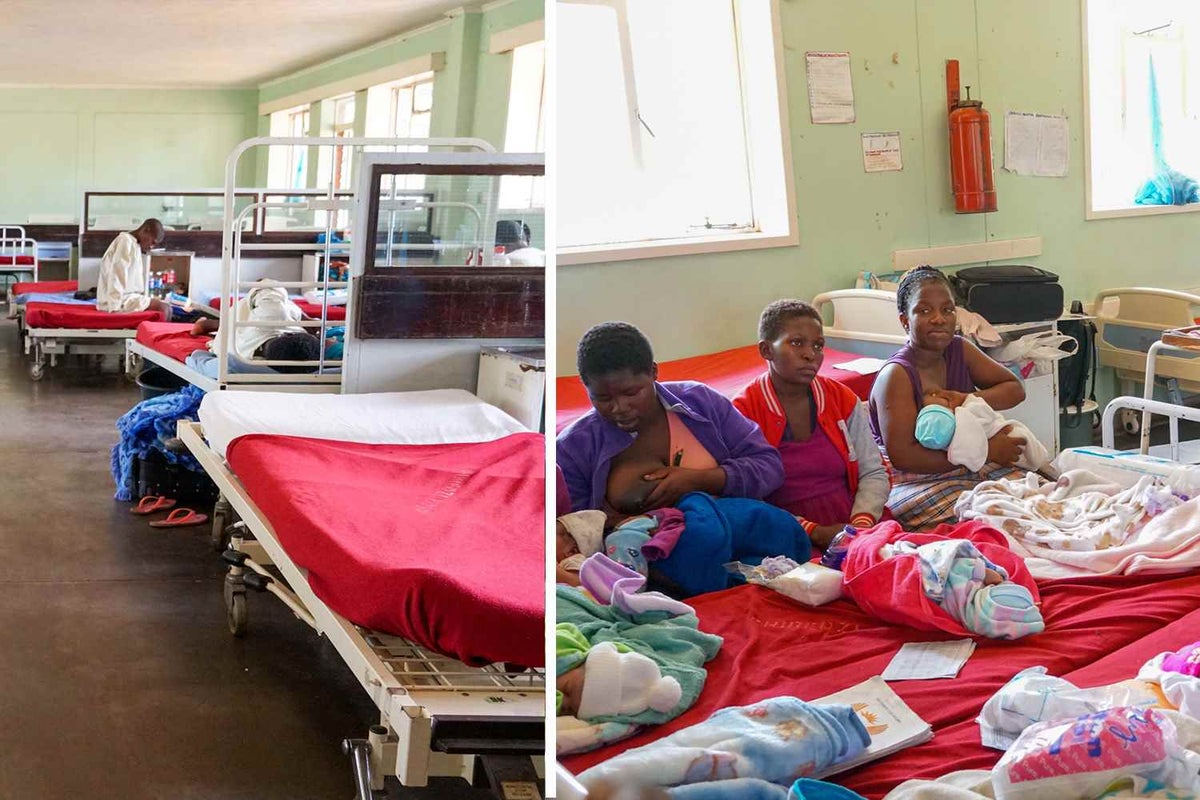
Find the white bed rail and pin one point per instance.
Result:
(1172, 412)
(15, 244)
(232, 246)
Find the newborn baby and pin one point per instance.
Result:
(971, 589)
(962, 428)
(578, 535)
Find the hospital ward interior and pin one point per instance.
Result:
(272, 375)
(877, 461)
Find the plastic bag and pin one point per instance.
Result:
(1041, 346)
(1078, 758)
(1032, 696)
(809, 584)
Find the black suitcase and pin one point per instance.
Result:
(1009, 293)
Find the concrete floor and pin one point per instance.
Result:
(118, 677)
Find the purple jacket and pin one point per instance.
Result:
(752, 467)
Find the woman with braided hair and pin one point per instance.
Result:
(935, 362)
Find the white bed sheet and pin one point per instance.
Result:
(439, 416)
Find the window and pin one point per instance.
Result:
(673, 137)
(1123, 40)
(403, 109)
(287, 167)
(343, 128)
(526, 129)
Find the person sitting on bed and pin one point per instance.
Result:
(925, 484)
(833, 474)
(646, 444)
(121, 285)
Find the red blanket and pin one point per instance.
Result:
(728, 372)
(62, 315)
(311, 309)
(442, 544)
(16, 261)
(172, 339)
(775, 647)
(891, 588)
(44, 287)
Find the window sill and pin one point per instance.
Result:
(1140, 211)
(599, 254)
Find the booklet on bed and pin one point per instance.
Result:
(892, 724)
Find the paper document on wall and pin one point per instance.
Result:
(830, 92)
(922, 661)
(1036, 144)
(881, 152)
(892, 724)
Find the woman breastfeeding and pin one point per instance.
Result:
(935, 362)
(833, 473)
(646, 444)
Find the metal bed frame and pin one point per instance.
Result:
(55, 342)
(436, 713)
(14, 244)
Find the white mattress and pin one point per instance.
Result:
(440, 416)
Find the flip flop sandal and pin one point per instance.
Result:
(180, 518)
(152, 503)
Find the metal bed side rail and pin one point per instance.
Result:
(1172, 412)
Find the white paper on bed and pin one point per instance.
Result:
(1085, 525)
(439, 416)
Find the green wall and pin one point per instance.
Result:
(1016, 55)
(58, 142)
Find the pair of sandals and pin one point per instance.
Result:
(178, 518)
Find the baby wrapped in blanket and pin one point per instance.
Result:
(962, 429)
(964, 582)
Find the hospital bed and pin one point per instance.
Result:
(55, 329)
(18, 252)
(436, 712)
(1128, 322)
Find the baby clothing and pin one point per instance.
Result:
(777, 740)
(586, 528)
(616, 585)
(973, 424)
(1178, 674)
(624, 684)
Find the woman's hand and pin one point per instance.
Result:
(1004, 449)
(951, 398)
(822, 535)
(675, 482)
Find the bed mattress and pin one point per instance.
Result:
(172, 339)
(442, 544)
(56, 315)
(16, 261)
(49, 287)
(728, 372)
(439, 416)
(775, 647)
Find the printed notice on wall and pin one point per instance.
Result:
(830, 94)
(1036, 144)
(881, 152)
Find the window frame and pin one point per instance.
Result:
(541, 124)
(660, 248)
(1090, 211)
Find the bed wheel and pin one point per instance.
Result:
(36, 371)
(1131, 421)
(236, 613)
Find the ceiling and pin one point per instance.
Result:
(199, 43)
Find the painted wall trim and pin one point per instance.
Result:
(193, 87)
(602, 254)
(390, 41)
(956, 254)
(430, 62)
(506, 40)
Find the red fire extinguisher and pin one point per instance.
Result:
(970, 149)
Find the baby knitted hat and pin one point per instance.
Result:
(1185, 661)
(624, 683)
(586, 528)
(935, 427)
